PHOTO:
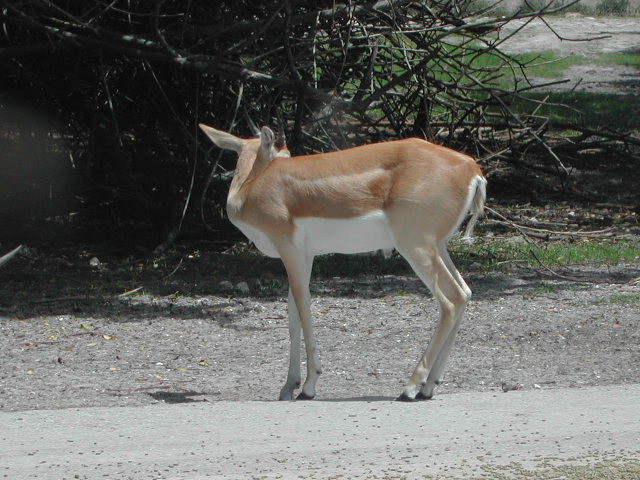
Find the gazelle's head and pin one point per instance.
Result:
(261, 150)
(272, 145)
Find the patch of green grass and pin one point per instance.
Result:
(492, 254)
(620, 299)
(626, 59)
(587, 109)
(551, 65)
(567, 254)
(485, 254)
(548, 64)
(401, 293)
(612, 7)
(542, 290)
(570, 133)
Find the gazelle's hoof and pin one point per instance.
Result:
(422, 396)
(405, 398)
(304, 396)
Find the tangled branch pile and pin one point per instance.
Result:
(125, 84)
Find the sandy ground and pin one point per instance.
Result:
(521, 329)
(574, 35)
(586, 36)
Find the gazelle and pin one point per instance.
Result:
(410, 194)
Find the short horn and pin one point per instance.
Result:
(281, 139)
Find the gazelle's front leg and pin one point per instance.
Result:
(298, 266)
(293, 377)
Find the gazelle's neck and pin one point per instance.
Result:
(250, 164)
(243, 170)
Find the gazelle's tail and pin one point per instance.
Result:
(476, 206)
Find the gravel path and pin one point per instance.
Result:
(573, 434)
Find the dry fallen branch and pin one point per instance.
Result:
(543, 233)
(549, 272)
(9, 256)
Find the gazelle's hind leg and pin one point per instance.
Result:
(435, 375)
(431, 267)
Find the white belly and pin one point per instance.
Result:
(355, 235)
(318, 236)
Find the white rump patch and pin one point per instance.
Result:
(353, 235)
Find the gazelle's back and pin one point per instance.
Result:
(363, 180)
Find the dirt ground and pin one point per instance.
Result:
(69, 341)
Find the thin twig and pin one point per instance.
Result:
(555, 274)
(130, 292)
(9, 256)
(172, 271)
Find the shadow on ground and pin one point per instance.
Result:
(130, 291)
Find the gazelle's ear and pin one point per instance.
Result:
(267, 138)
(223, 139)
